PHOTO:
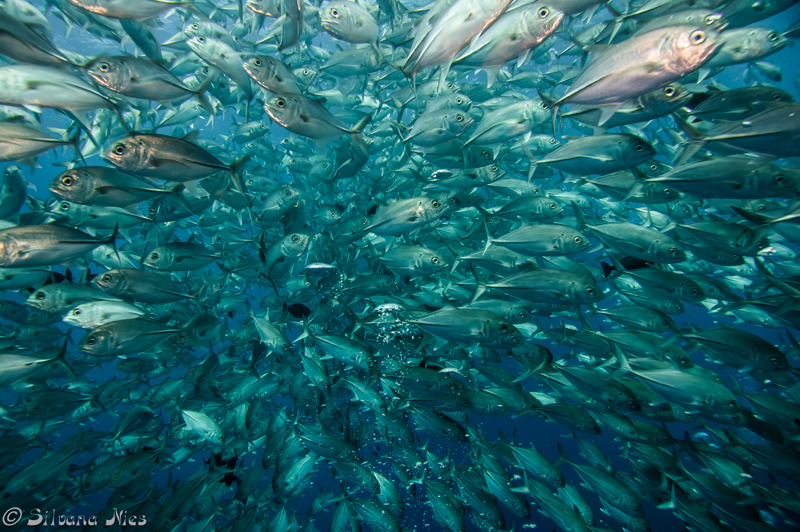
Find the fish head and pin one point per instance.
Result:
(72, 184)
(201, 45)
(159, 259)
(96, 342)
(8, 251)
(284, 109)
(111, 281)
(80, 315)
(109, 72)
(509, 335)
(547, 19)
(574, 242)
(295, 244)
(716, 21)
(668, 96)
(195, 28)
(339, 19)
(129, 153)
(12, 175)
(591, 292)
(305, 75)
(653, 168)
(519, 315)
(638, 148)
(45, 298)
(60, 208)
(260, 67)
(436, 263)
(458, 122)
(692, 46)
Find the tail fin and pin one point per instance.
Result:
(235, 172)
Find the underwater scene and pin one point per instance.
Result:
(459, 265)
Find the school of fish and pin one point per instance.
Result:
(296, 258)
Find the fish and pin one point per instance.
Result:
(141, 78)
(168, 158)
(657, 58)
(45, 245)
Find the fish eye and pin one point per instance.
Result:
(732, 404)
(295, 239)
(485, 153)
(288, 192)
(91, 341)
(779, 178)
(653, 167)
(772, 36)
(553, 206)
(65, 206)
(66, 181)
(257, 62)
(152, 212)
(459, 118)
(639, 147)
(280, 102)
(710, 20)
(775, 361)
(459, 100)
(673, 251)
(40, 296)
(363, 221)
(154, 256)
(577, 240)
(669, 91)
(335, 13)
(119, 149)
(201, 39)
(777, 97)
(633, 405)
(195, 26)
(104, 67)
(698, 37)
(504, 327)
(543, 12)
(435, 204)
(494, 168)
(76, 312)
(107, 278)
(590, 291)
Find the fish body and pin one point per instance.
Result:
(44, 245)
